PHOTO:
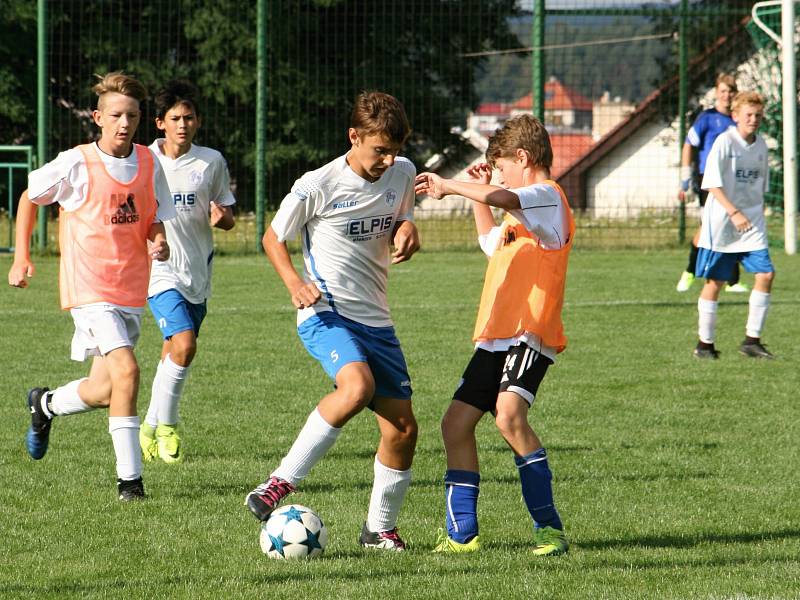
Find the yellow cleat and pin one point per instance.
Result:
(445, 544)
(169, 444)
(549, 542)
(147, 440)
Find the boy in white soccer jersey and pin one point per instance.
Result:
(733, 226)
(179, 288)
(518, 331)
(349, 212)
(113, 198)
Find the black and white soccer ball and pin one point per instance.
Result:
(293, 531)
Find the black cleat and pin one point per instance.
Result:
(706, 353)
(382, 540)
(755, 350)
(130, 490)
(266, 497)
(38, 436)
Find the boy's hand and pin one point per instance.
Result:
(430, 184)
(741, 222)
(406, 242)
(159, 250)
(216, 213)
(480, 173)
(304, 295)
(19, 273)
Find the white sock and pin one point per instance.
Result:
(125, 436)
(151, 418)
(313, 441)
(757, 315)
(707, 321)
(171, 380)
(388, 492)
(66, 401)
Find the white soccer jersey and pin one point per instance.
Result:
(195, 179)
(741, 170)
(346, 223)
(65, 180)
(543, 214)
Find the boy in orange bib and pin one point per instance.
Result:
(112, 200)
(518, 331)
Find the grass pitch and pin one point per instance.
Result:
(675, 478)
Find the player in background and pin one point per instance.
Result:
(708, 125)
(180, 287)
(112, 199)
(734, 228)
(518, 330)
(349, 212)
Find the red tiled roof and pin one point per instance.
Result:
(557, 96)
(567, 149)
(492, 108)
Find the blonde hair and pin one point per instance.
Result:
(727, 79)
(118, 82)
(743, 98)
(525, 132)
(378, 113)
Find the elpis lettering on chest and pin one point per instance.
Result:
(370, 225)
(745, 174)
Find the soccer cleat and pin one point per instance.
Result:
(38, 436)
(446, 544)
(147, 440)
(706, 353)
(755, 350)
(737, 288)
(685, 282)
(130, 489)
(549, 541)
(266, 497)
(383, 540)
(169, 444)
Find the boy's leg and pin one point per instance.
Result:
(392, 470)
(757, 313)
(688, 277)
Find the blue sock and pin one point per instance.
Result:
(537, 489)
(461, 503)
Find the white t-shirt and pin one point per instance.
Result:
(195, 179)
(346, 224)
(741, 170)
(65, 180)
(542, 212)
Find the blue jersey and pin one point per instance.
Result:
(705, 130)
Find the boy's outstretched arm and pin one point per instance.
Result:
(22, 268)
(159, 249)
(405, 240)
(435, 186)
(221, 217)
(303, 293)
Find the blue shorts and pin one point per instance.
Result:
(174, 313)
(336, 341)
(719, 265)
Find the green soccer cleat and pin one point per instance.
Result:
(685, 282)
(549, 542)
(737, 288)
(147, 440)
(169, 444)
(446, 544)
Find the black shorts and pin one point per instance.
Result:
(519, 370)
(702, 195)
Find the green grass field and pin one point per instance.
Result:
(675, 478)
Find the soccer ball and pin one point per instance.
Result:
(293, 531)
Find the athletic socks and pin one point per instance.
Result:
(313, 441)
(65, 400)
(537, 489)
(757, 314)
(461, 490)
(388, 492)
(707, 320)
(171, 379)
(152, 410)
(125, 436)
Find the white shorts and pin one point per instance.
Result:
(101, 328)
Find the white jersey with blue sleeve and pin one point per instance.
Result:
(741, 170)
(346, 225)
(195, 179)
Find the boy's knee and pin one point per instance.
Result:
(511, 424)
(357, 391)
(182, 351)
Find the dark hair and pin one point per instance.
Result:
(526, 132)
(379, 113)
(177, 91)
